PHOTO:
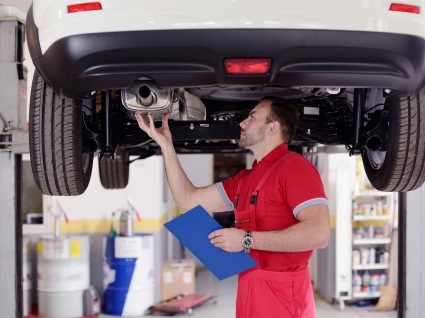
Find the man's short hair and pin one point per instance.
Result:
(284, 112)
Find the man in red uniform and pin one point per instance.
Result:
(280, 208)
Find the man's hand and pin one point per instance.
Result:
(162, 136)
(229, 240)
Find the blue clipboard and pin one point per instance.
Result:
(192, 229)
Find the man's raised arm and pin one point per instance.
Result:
(184, 192)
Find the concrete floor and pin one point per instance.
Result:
(223, 305)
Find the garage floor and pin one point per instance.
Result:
(226, 294)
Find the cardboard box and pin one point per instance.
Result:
(177, 277)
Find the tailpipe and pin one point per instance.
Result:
(144, 98)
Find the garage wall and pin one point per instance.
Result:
(198, 168)
(91, 212)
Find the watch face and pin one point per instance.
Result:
(248, 242)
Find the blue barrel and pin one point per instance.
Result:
(128, 275)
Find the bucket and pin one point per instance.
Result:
(128, 275)
(63, 274)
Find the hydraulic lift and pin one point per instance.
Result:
(13, 143)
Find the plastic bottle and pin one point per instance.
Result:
(366, 209)
(362, 232)
(386, 230)
(356, 257)
(379, 258)
(386, 257)
(356, 210)
(386, 210)
(379, 208)
(364, 256)
(371, 232)
(372, 255)
(366, 278)
(357, 282)
(374, 283)
(373, 210)
(383, 279)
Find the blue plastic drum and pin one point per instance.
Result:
(128, 275)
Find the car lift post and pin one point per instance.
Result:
(13, 142)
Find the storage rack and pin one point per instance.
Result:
(372, 223)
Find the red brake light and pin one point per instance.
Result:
(247, 66)
(404, 8)
(90, 6)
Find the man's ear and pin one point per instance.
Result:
(274, 128)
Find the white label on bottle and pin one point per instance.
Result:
(128, 247)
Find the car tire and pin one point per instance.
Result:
(59, 165)
(402, 168)
(114, 172)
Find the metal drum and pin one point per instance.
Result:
(26, 277)
(128, 275)
(63, 275)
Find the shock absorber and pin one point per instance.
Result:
(107, 150)
(359, 106)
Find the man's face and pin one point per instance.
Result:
(253, 128)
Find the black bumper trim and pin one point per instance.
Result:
(188, 58)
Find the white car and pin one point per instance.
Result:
(356, 69)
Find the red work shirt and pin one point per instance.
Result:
(292, 187)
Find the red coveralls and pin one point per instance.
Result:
(269, 197)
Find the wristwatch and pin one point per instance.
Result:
(247, 241)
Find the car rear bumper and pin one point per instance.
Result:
(185, 58)
(54, 21)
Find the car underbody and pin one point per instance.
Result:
(208, 125)
(362, 88)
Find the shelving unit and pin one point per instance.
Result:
(373, 241)
(366, 295)
(370, 267)
(373, 215)
(363, 220)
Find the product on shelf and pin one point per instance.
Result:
(364, 256)
(356, 257)
(374, 283)
(372, 232)
(357, 282)
(366, 282)
(379, 208)
(383, 279)
(372, 254)
(386, 257)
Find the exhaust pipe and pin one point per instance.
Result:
(374, 143)
(142, 97)
(147, 97)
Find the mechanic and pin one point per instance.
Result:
(281, 210)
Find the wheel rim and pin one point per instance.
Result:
(375, 157)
